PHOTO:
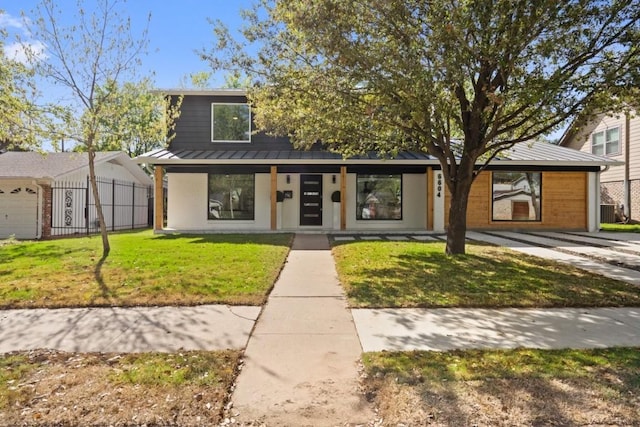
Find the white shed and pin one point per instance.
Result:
(45, 195)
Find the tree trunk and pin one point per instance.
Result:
(457, 227)
(106, 248)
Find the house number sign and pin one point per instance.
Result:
(439, 182)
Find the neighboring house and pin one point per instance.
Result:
(46, 195)
(223, 177)
(618, 138)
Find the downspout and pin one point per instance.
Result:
(598, 200)
(627, 184)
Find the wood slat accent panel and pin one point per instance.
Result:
(564, 203)
(430, 198)
(274, 198)
(343, 197)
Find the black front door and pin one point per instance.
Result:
(311, 200)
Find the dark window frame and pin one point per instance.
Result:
(364, 213)
(216, 205)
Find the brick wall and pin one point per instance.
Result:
(612, 193)
(46, 210)
(635, 200)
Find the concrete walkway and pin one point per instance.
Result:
(301, 363)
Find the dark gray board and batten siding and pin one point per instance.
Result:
(193, 128)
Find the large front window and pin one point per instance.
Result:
(606, 142)
(516, 196)
(230, 123)
(231, 196)
(379, 197)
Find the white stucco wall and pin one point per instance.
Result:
(414, 206)
(104, 170)
(291, 207)
(187, 205)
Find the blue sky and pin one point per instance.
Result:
(177, 29)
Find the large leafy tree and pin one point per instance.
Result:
(137, 120)
(17, 109)
(84, 58)
(463, 80)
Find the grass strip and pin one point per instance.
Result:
(512, 387)
(48, 387)
(379, 274)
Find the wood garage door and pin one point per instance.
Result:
(18, 211)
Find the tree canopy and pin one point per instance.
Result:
(85, 59)
(136, 120)
(462, 80)
(17, 92)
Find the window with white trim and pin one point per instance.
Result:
(230, 123)
(606, 142)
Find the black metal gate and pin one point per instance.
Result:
(125, 205)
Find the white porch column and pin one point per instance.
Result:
(593, 201)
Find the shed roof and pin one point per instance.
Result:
(35, 165)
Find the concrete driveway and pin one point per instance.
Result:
(613, 255)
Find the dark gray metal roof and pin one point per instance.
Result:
(526, 153)
(166, 156)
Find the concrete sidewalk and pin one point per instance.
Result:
(301, 363)
(456, 328)
(448, 329)
(138, 329)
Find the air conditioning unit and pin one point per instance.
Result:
(608, 214)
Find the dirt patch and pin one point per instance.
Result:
(505, 402)
(46, 388)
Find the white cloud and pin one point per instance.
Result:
(9, 21)
(23, 51)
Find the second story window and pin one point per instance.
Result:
(230, 123)
(606, 142)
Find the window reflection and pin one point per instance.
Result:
(516, 196)
(379, 197)
(231, 196)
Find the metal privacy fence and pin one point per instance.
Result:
(125, 205)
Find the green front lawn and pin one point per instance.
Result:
(629, 228)
(142, 269)
(419, 274)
